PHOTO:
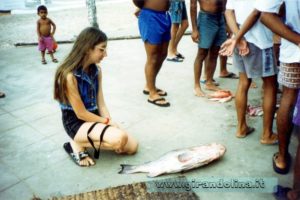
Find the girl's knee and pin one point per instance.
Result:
(132, 148)
(121, 140)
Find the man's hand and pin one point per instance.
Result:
(195, 36)
(227, 47)
(243, 47)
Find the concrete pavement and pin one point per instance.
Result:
(33, 162)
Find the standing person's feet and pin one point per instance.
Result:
(245, 132)
(253, 85)
(44, 62)
(228, 75)
(273, 139)
(281, 165)
(198, 92)
(2, 94)
(211, 86)
(158, 100)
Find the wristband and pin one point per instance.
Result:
(107, 121)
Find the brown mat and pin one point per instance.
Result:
(133, 191)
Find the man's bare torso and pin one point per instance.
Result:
(158, 5)
(212, 6)
(45, 27)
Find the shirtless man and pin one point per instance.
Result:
(45, 31)
(154, 25)
(209, 32)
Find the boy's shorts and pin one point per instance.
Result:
(178, 11)
(46, 43)
(212, 29)
(289, 75)
(258, 63)
(154, 26)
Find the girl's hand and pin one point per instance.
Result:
(113, 124)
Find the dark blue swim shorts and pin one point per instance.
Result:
(154, 26)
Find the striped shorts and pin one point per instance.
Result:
(289, 75)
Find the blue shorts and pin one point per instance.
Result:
(212, 29)
(154, 26)
(258, 63)
(178, 11)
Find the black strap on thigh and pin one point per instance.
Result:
(97, 151)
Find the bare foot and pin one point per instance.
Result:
(212, 87)
(245, 133)
(253, 85)
(273, 139)
(87, 161)
(198, 92)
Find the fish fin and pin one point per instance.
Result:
(127, 169)
(184, 157)
(154, 174)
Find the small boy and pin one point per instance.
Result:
(45, 36)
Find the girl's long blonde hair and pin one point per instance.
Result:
(87, 40)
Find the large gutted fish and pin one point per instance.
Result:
(178, 160)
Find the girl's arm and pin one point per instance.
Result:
(103, 111)
(77, 104)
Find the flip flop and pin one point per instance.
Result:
(55, 60)
(230, 75)
(175, 59)
(2, 95)
(248, 132)
(44, 62)
(155, 102)
(214, 81)
(281, 192)
(159, 91)
(179, 55)
(281, 170)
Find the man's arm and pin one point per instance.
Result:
(193, 12)
(38, 29)
(250, 21)
(273, 22)
(53, 26)
(231, 21)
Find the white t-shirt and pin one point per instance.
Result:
(289, 52)
(259, 34)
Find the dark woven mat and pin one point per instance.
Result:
(135, 191)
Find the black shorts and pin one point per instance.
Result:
(71, 122)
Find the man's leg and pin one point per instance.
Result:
(223, 66)
(269, 106)
(172, 50)
(211, 67)
(184, 25)
(152, 67)
(241, 98)
(202, 53)
(284, 124)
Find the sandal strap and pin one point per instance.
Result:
(97, 151)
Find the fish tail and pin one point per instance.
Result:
(127, 169)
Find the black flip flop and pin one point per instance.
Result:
(158, 91)
(167, 104)
(179, 55)
(175, 59)
(230, 75)
(281, 170)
